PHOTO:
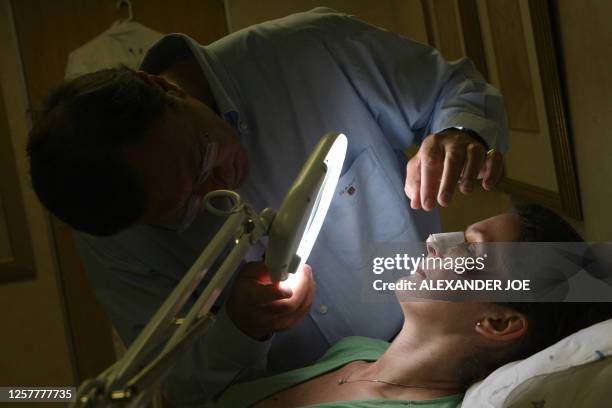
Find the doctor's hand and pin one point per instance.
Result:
(448, 159)
(259, 307)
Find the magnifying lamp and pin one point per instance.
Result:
(296, 226)
(292, 234)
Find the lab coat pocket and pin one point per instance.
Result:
(367, 210)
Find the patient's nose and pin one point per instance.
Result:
(440, 245)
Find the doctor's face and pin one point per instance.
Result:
(178, 163)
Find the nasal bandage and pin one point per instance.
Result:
(447, 238)
(445, 241)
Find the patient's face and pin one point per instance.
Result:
(500, 228)
(461, 316)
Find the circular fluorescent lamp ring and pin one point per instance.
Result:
(296, 226)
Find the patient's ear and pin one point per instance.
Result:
(502, 325)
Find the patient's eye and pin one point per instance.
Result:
(475, 249)
(471, 249)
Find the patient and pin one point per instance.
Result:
(442, 348)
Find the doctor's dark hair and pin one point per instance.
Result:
(76, 146)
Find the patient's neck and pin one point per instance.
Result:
(421, 358)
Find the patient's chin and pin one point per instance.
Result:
(414, 287)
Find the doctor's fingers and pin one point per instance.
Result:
(281, 317)
(454, 160)
(432, 160)
(412, 184)
(253, 293)
(493, 170)
(256, 270)
(473, 165)
(303, 296)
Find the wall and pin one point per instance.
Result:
(586, 47)
(586, 57)
(404, 17)
(34, 346)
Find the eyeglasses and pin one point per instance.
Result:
(208, 155)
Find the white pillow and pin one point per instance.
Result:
(575, 372)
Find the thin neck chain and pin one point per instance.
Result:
(346, 380)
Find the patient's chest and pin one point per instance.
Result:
(323, 388)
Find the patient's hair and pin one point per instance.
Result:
(548, 322)
(543, 225)
(76, 146)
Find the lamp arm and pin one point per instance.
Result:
(139, 389)
(124, 381)
(196, 323)
(163, 319)
(291, 240)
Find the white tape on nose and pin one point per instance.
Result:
(438, 244)
(447, 238)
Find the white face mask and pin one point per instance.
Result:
(444, 242)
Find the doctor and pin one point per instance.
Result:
(125, 157)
